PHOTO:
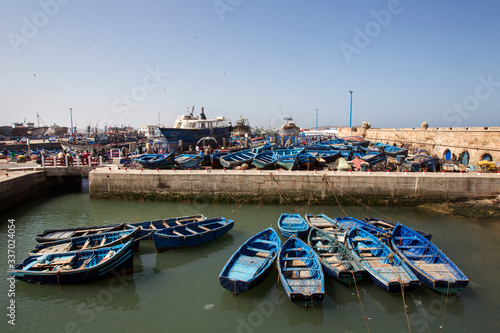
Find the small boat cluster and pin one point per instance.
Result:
(395, 257)
(344, 154)
(88, 254)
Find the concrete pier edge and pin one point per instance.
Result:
(272, 187)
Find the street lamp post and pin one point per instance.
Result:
(316, 119)
(350, 110)
(71, 119)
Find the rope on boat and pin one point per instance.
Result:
(445, 304)
(361, 302)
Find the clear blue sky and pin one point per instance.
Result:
(125, 62)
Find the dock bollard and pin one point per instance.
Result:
(224, 170)
(369, 172)
(461, 173)
(424, 172)
(206, 169)
(173, 169)
(125, 169)
(406, 172)
(6, 175)
(189, 169)
(350, 172)
(156, 169)
(258, 170)
(443, 173)
(110, 169)
(314, 171)
(141, 169)
(479, 173)
(388, 172)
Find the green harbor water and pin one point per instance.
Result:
(179, 290)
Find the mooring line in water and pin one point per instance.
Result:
(289, 202)
(445, 304)
(405, 306)
(325, 178)
(425, 316)
(361, 302)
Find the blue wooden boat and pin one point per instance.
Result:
(432, 267)
(328, 156)
(155, 161)
(52, 235)
(191, 234)
(389, 226)
(215, 158)
(238, 158)
(389, 150)
(91, 242)
(373, 158)
(288, 162)
(188, 161)
(350, 222)
(265, 160)
(323, 222)
(147, 228)
(251, 263)
(292, 224)
(337, 260)
(76, 267)
(385, 268)
(306, 160)
(300, 273)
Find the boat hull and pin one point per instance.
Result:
(190, 137)
(251, 263)
(179, 237)
(119, 264)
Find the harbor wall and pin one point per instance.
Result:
(291, 187)
(476, 141)
(20, 187)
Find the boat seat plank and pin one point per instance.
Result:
(86, 244)
(360, 239)
(264, 241)
(287, 269)
(375, 258)
(178, 233)
(411, 247)
(152, 226)
(419, 255)
(103, 241)
(369, 248)
(204, 228)
(298, 258)
(258, 250)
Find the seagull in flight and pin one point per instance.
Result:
(34, 74)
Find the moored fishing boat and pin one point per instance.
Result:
(52, 235)
(265, 160)
(76, 267)
(190, 129)
(323, 222)
(288, 162)
(300, 273)
(251, 263)
(238, 158)
(337, 260)
(432, 267)
(147, 228)
(292, 224)
(350, 222)
(154, 161)
(385, 268)
(91, 242)
(306, 160)
(188, 161)
(389, 226)
(191, 234)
